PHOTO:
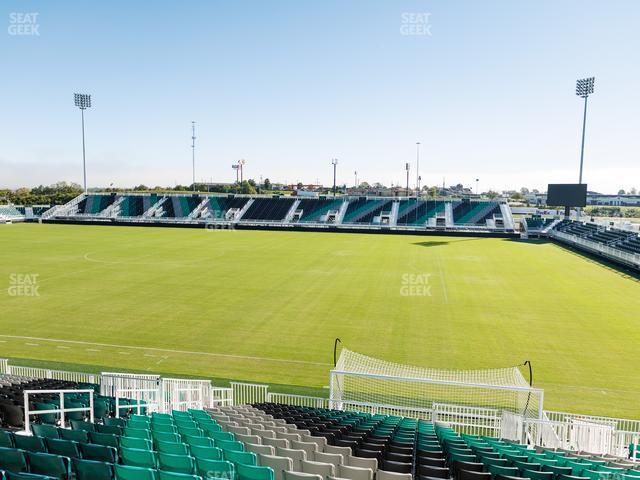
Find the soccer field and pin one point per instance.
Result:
(266, 306)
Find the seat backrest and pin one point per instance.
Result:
(79, 436)
(48, 464)
(361, 462)
(288, 475)
(132, 442)
(354, 473)
(260, 449)
(106, 439)
(296, 455)
(135, 457)
(220, 468)
(318, 468)
(6, 439)
(172, 448)
(98, 453)
(244, 458)
(207, 453)
(276, 442)
(30, 443)
(254, 472)
(13, 459)
(164, 475)
(278, 464)
(344, 451)
(309, 447)
(384, 475)
(333, 458)
(92, 470)
(45, 431)
(128, 472)
(198, 441)
(177, 463)
(66, 448)
(255, 439)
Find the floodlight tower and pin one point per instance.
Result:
(193, 153)
(407, 167)
(83, 101)
(417, 169)
(334, 162)
(584, 88)
(241, 163)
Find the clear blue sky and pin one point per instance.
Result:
(287, 85)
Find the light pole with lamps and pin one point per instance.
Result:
(334, 162)
(83, 101)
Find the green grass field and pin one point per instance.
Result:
(266, 307)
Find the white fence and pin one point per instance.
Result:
(183, 394)
(149, 399)
(469, 420)
(221, 397)
(298, 400)
(28, 413)
(35, 372)
(597, 247)
(246, 393)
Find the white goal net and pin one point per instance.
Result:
(359, 380)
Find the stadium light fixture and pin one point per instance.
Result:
(193, 153)
(407, 167)
(241, 163)
(584, 88)
(83, 101)
(334, 162)
(417, 169)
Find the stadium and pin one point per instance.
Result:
(293, 330)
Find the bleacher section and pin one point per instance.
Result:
(217, 207)
(537, 222)
(10, 211)
(94, 204)
(314, 209)
(364, 210)
(474, 213)
(254, 211)
(268, 209)
(418, 212)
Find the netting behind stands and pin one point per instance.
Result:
(359, 379)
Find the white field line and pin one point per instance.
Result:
(168, 350)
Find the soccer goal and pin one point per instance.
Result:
(369, 384)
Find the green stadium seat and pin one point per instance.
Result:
(496, 470)
(115, 422)
(44, 430)
(30, 443)
(230, 445)
(139, 458)
(240, 458)
(105, 439)
(50, 418)
(137, 433)
(127, 472)
(6, 439)
(109, 429)
(79, 436)
(210, 428)
(227, 436)
(176, 463)
(163, 427)
(47, 464)
(66, 448)
(180, 414)
(252, 472)
(535, 475)
(557, 470)
(139, 443)
(206, 453)
(166, 437)
(215, 469)
(198, 441)
(177, 476)
(192, 432)
(92, 470)
(26, 476)
(172, 448)
(80, 425)
(99, 453)
(13, 459)
(139, 418)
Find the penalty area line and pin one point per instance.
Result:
(167, 350)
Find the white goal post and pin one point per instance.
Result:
(361, 380)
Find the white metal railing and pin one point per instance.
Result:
(221, 397)
(147, 398)
(469, 420)
(298, 400)
(28, 412)
(611, 252)
(36, 372)
(183, 394)
(381, 409)
(246, 393)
